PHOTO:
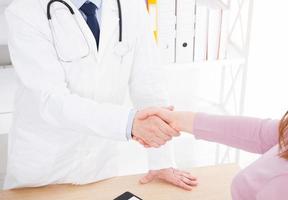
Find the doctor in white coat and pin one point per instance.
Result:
(69, 110)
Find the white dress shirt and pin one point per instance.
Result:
(98, 3)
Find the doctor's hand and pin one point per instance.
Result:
(173, 176)
(151, 131)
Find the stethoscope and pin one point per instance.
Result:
(121, 49)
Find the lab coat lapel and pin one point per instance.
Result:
(109, 25)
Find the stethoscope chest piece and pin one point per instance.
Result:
(122, 48)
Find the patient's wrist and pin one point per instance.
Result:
(185, 121)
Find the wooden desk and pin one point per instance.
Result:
(214, 183)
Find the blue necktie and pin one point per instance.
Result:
(89, 9)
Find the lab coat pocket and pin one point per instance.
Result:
(70, 40)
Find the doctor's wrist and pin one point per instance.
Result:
(131, 117)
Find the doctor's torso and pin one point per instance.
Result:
(42, 153)
(103, 75)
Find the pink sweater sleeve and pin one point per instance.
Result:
(274, 189)
(250, 134)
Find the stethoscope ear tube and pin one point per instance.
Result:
(120, 20)
(121, 49)
(72, 12)
(60, 1)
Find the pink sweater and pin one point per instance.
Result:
(266, 178)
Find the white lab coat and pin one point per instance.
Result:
(69, 117)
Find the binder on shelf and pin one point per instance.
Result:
(223, 41)
(185, 31)
(152, 9)
(190, 30)
(214, 30)
(211, 30)
(166, 21)
(218, 25)
(201, 31)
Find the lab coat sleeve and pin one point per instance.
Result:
(147, 85)
(40, 72)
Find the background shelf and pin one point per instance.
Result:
(234, 58)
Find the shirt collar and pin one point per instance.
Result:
(79, 3)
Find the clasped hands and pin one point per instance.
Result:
(154, 126)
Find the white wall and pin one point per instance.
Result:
(267, 95)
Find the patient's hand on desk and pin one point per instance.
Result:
(173, 176)
(152, 131)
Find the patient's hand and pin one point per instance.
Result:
(173, 176)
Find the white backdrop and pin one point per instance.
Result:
(268, 64)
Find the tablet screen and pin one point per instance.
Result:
(134, 198)
(128, 196)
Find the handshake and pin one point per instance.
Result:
(153, 127)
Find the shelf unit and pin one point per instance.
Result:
(234, 57)
(232, 70)
(241, 23)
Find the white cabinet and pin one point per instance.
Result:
(3, 157)
(5, 123)
(8, 86)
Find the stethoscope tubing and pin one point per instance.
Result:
(60, 1)
(121, 49)
(120, 20)
(72, 12)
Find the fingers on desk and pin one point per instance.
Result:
(186, 174)
(185, 180)
(147, 178)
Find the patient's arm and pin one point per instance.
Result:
(250, 134)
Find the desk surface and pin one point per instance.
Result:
(214, 183)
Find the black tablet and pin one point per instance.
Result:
(128, 196)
